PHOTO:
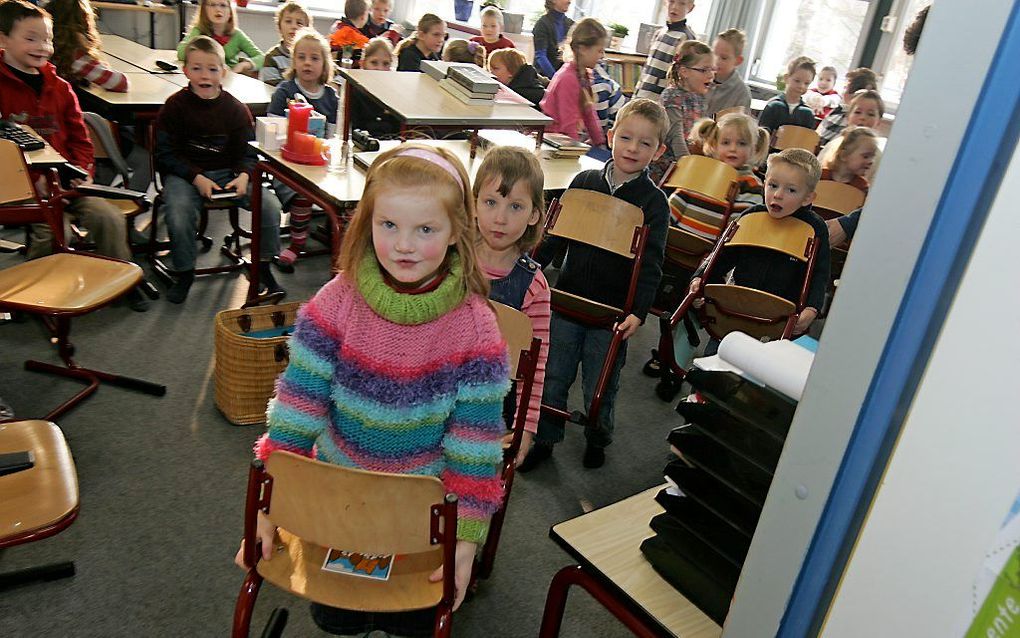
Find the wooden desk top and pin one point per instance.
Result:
(558, 172)
(147, 92)
(344, 188)
(146, 62)
(153, 8)
(46, 156)
(251, 91)
(607, 540)
(123, 48)
(417, 99)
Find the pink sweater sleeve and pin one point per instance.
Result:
(536, 306)
(562, 104)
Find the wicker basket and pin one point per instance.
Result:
(247, 367)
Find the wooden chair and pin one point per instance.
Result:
(318, 506)
(617, 227)
(38, 502)
(792, 136)
(515, 327)
(834, 199)
(63, 285)
(711, 188)
(729, 307)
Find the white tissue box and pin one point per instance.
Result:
(271, 132)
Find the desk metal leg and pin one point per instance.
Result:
(152, 30)
(556, 602)
(256, 232)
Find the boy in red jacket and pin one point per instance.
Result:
(32, 94)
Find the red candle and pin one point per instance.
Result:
(297, 121)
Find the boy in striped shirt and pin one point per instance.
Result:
(664, 45)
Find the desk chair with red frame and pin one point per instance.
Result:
(729, 307)
(62, 285)
(617, 227)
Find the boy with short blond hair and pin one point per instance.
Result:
(290, 18)
(665, 43)
(492, 37)
(790, 185)
(379, 23)
(788, 107)
(728, 89)
(202, 135)
(637, 138)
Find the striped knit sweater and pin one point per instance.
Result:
(703, 218)
(660, 57)
(403, 383)
(86, 67)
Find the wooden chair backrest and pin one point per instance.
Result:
(597, 219)
(15, 182)
(792, 136)
(355, 510)
(788, 235)
(515, 326)
(838, 197)
(703, 175)
(733, 109)
(722, 299)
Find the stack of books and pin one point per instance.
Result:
(466, 82)
(565, 147)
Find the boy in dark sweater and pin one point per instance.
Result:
(202, 148)
(637, 139)
(789, 190)
(787, 107)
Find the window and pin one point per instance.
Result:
(827, 31)
(893, 74)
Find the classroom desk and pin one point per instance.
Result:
(137, 55)
(147, 94)
(337, 193)
(152, 9)
(44, 157)
(417, 100)
(251, 91)
(606, 542)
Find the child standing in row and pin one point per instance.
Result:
(217, 19)
(636, 140)
(548, 33)
(310, 77)
(569, 100)
(492, 37)
(348, 30)
(397, 364)
(379, 23)
(510, 67)
(290, 18)
(787, 107)
(690, 78)
(510, 203)
(76, 46)
(859, 79)
(425, 43)
(667, 40)
(852, 160)
(202, 135)
(459, 50)
(824, 97)
(728, 89)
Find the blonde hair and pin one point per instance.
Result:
(651, 110)
(201, 20)
(375, 45)
(392, 170)
(425, 23)
(311, 35)
(804, 160)
(458, 50)
(707, 132)
(492, 11)
(801, 62)
(205, 44)
(686, 54)
(509, 165)
(292, 7)
(735, 38)
(586, 32)
(512, 59)
(849, 140)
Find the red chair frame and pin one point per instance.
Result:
(637, 248)
(259, 497)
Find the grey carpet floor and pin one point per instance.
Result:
(162, 485)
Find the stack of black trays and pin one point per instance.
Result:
(727, 455)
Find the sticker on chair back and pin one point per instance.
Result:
(358, 564)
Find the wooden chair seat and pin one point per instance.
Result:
(42, 499)
(722, 299)
(298, 568)
(571, 304)
(129, 207)
(66, 283)
(686, 249)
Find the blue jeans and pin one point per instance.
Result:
(182, 206)
(570, 344)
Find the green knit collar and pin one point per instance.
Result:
(410, 309)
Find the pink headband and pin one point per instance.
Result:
(435, 158)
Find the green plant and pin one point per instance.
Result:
(781, 81)
(618, 30)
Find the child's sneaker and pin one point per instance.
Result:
(267, 282)
(594, 456)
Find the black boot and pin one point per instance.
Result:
(267, 282)
(182, 284)
(540, 453)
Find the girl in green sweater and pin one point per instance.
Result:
(218, 20)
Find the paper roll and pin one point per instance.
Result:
(781, 365)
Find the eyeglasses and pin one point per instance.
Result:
(701, 69)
